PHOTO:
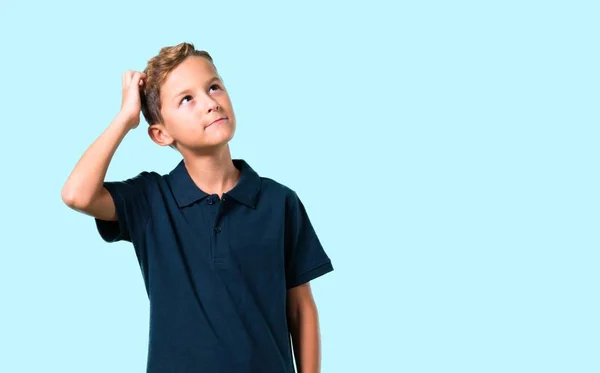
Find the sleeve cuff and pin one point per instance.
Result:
(311, 274)
(113, 231)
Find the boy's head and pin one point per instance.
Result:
(185, 102)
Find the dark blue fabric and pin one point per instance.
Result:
(216, 270)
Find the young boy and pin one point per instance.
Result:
(227, 256)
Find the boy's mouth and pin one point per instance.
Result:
(217, 121)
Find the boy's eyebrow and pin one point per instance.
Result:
(187, 90)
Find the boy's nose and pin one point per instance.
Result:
(211, 105)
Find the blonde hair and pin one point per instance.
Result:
(156, 71)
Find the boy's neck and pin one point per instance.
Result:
(213, 173)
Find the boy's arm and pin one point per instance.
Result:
(305, 260)
(303, 323)
(84, 190)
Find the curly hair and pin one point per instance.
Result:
(157, 70)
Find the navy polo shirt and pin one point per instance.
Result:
(216, 270)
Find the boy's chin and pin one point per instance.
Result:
(209, 146)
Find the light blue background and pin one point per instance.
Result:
(447, 154)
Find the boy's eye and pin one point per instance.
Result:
(215, 86)
(188, 96)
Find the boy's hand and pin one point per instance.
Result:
(131, 103)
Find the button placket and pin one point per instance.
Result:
(220, 251)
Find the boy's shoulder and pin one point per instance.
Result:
(272, 186)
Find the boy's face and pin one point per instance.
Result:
(195, 107)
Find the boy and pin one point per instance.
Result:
(227, 256)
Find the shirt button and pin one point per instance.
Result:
(218, 229)
(211, 201)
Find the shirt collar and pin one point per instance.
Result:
(186, 192)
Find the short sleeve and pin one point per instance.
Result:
(132, 203)
(306, 258)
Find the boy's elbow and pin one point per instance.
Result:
(68, 198)
(73, 199)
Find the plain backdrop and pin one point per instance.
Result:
(446, 152)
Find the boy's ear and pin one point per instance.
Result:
(159, 134)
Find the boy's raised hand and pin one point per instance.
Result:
(131, 103)
(84, 190)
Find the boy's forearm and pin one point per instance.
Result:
(304, 329)
(87, 177)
